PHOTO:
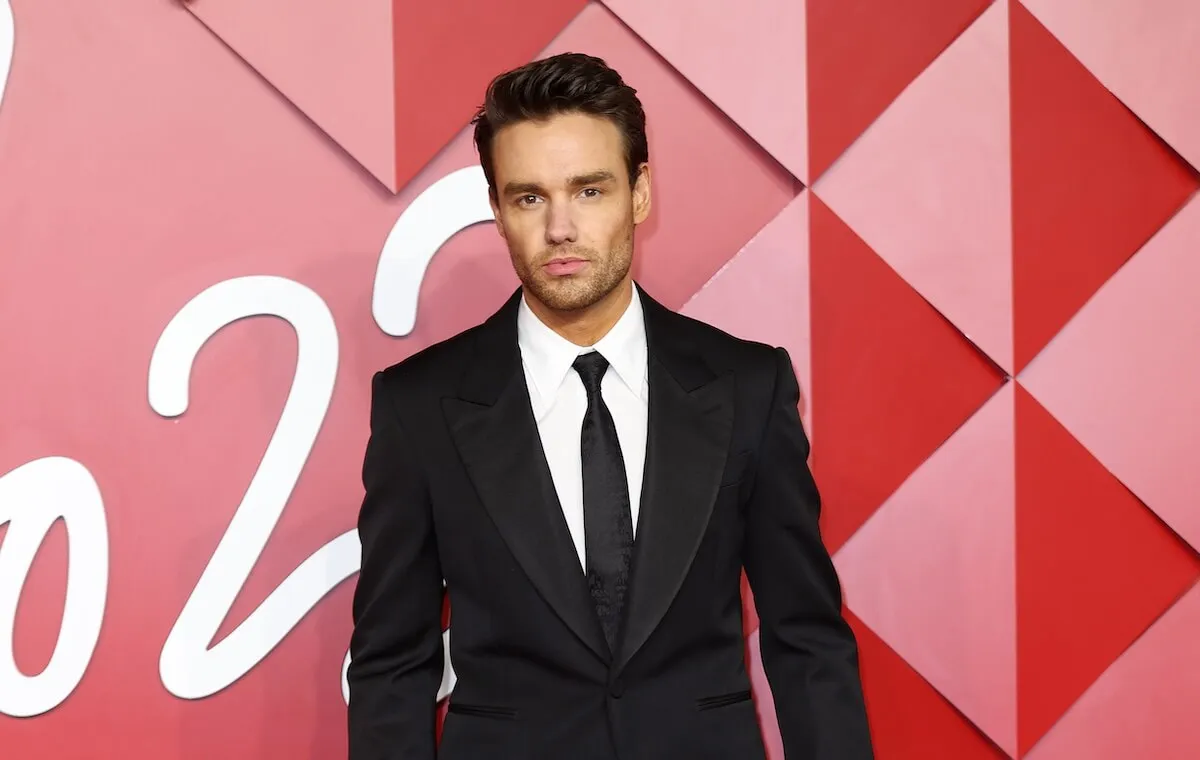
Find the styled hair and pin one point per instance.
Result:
(561, 84)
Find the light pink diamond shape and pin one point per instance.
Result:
(336, 60)
(928, 185)
(762, 293)
(1122, 376)
(933, 572)
(747, 57)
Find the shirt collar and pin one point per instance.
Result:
(548, 356)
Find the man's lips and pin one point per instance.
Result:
(564, 267)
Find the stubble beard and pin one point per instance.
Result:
(575, 292)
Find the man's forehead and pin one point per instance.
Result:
(560, 158)
(558, 139)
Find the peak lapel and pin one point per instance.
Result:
(688, 434)
(493, 427)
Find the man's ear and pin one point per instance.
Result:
(641, 194)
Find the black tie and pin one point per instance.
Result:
(608, 524)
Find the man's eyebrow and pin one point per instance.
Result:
(579, 180)
(592, 178)
(520, 188)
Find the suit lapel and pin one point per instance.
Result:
(492, 425)
(689, 424)
(688, 433)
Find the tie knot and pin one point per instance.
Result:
(591, 368)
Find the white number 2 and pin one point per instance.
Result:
(188, 667)
(37, 494)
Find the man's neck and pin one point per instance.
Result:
(585, 327)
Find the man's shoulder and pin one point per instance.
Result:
(723, 348)
(762, 370)
(434, 366)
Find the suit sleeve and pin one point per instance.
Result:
(396, 645)
(809, 651)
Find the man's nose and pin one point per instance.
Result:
(560, 224)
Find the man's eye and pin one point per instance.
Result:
(527, 200)
(591, 192)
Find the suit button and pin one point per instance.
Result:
(616, 689)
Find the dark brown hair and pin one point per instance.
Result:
(565, 83)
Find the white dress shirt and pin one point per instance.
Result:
(560, 402)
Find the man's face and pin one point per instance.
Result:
(565, 207)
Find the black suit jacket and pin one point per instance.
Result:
(457, 487)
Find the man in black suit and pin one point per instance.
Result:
(589, 473)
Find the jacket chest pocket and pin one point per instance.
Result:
(723, 700)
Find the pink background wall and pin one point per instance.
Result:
(973, 223)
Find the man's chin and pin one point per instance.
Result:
(564, 293)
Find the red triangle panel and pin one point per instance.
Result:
(862, 54)
(1094, 569)
(909, 719)
(1091, 184)
(447, 52)
(892, 378)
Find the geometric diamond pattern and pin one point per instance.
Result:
(684, 245)
(308, 49)
(928, 186)
(973, 223)
(886, 392)
(932, 571)
(1121, 377)
(1091, 184)
(861, 55)
(1144, 706)
(1084, 595)
(910, 720)
(1145, 52)
(978, 199)
(768, 280)
(364, 71)
(753, 70)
